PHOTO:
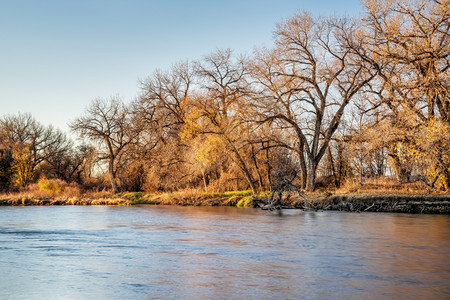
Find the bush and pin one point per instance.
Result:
(133, 196)
(245, 202)
(50, 186)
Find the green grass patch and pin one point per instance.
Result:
(238, 193)
(245, 202)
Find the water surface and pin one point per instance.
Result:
(95, 252)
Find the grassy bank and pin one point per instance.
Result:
(183, 198)
(356, 202)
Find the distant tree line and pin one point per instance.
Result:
(335, 99)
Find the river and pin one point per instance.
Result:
(164, 252)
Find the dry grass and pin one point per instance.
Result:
(384, 186)
(190, 197)
(56, 192)
(55, 189)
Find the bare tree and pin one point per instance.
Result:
(68, 164)
(162, 105)
(218, 111)
(407, 44)
(109, 124)
(24, 135)
(165, 96)
(309, 80)
(6, 172)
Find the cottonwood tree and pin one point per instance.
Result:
(407, 44)
(277, 98)
(6, 171)
(31, 143)
(69, 164)
(109, 124)
(218, 109)
(164, 98)
(203, 155)
(308, 81)
(163, 104)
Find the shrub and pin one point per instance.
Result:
(245, 202)
(48, 185)
(72, 189)
(133, 196)
(232, 201)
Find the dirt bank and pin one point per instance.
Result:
(437, 204)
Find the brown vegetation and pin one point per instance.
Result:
(337, 105)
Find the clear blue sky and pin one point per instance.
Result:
(58, 55)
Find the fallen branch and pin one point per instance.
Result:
(373, 204)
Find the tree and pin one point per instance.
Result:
(68, 164)
(205, 151)
(165, 96)
(109, 124)
(22, 166)
(407, 44)
(308, 81)
(6, 171)
(218, 111)
(31, 143)
(163, 104)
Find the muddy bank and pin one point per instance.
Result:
(70, 201)
(431, 204)
(435, 204)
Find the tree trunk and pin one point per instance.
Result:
(312, 175)
(403, 173)
(112, 174)
(247, 174)
(303, 167)
(204, 179)
(444, 168)
(260, 181)
(269, 179)
(333, 167)
(402, 169)
(242, 166)
(250, 180)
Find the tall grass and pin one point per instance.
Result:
(382, 185)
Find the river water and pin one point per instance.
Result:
(156, 252)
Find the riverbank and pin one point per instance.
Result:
(184, 198)
(431, 204)
(354, 202)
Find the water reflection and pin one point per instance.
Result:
(198, 252)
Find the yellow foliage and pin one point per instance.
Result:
(50, 186)
(192, 125)
(431, 173)
(208, 150)
(22, 166)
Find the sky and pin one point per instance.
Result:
(56, 56)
